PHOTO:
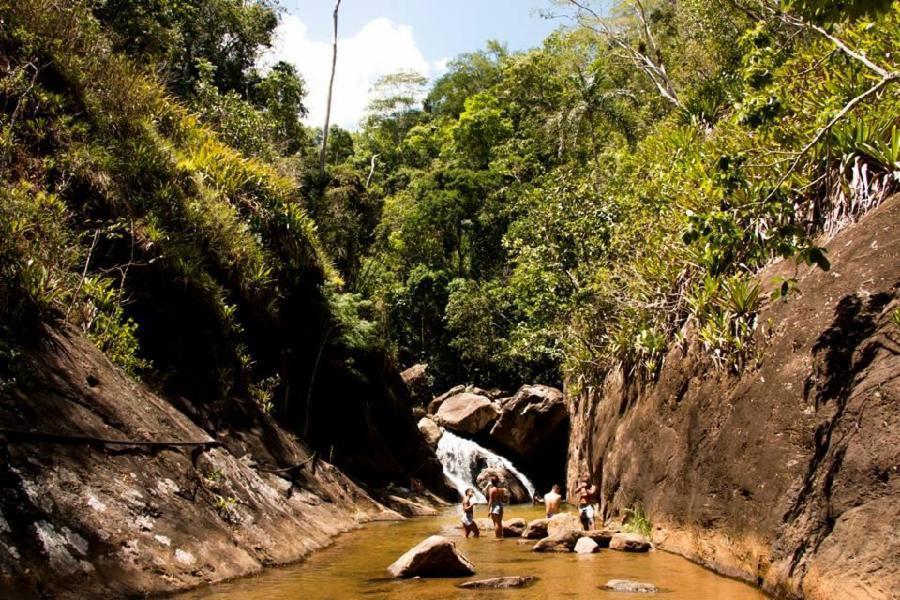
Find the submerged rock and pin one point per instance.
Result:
(634, 587)
(586, 545)
(499, 583)
(435, 556)
(467, 413)
(629, 542)
(536, 529)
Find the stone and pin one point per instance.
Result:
(430, 431)
(435, 556)
(634, 587)
(602, 537)
(512, 528)
(529, 419)
(499, 583)
(417, 382)
(586, 545)
(564, 522)
(629, 542)
(435, 404)
(536, 529)
(467, 413)
(561, 542)
(517, 492)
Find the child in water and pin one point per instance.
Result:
(468, 518)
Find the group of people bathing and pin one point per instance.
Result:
(587, 495)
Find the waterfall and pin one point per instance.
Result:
(463, 459)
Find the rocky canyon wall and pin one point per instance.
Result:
(787, 475)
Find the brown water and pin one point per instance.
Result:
(355, 567)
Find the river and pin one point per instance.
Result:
(355, 567)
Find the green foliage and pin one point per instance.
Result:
(636, 521)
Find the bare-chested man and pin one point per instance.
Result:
(587, 495)
(496, 496)
(552, 501)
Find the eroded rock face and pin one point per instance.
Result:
(517, 492)
(466, 413)
(787, 473)
(536, 529)
(629, 542)
(633, 587)
(430, 431)
(71, 514)
(499, 583)
(435, 556)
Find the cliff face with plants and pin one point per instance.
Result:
(786, 473)
(179, 367)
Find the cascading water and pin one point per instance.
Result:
(463, 459)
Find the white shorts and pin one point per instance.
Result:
(586, 512)
(467, 520)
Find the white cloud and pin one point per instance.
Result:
(379, 48)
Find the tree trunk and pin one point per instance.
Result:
(337, 6)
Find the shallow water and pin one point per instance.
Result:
(355, 567)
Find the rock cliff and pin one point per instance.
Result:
(788, 475)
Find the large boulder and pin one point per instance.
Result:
(563, 523)
(467, 413)
(518, 494)
(435, 556)
(499, 583)
(529, 419)
(561, 542)
(634, 587)
(629, 542)
(435, 404)
(418, 383)
(430, 431)
(536, 529)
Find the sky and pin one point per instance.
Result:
(377, 37)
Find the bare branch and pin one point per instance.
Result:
(337, 6)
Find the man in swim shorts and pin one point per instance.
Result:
(587, 495)
(468, 518)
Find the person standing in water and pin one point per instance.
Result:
(552, 501)
(468, 518)
(496, 495)
(587, 494)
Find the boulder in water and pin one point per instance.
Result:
(560, 542)
(564, 523)
(511, 527)
(517, 491)
(467, 413)
(529, 419)
(435, 404)
(634, 587)
(430, 431)
(586, 545)
(536, 530)
(499, 583)
(435, 556)
(629, 542)
(602, 537)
